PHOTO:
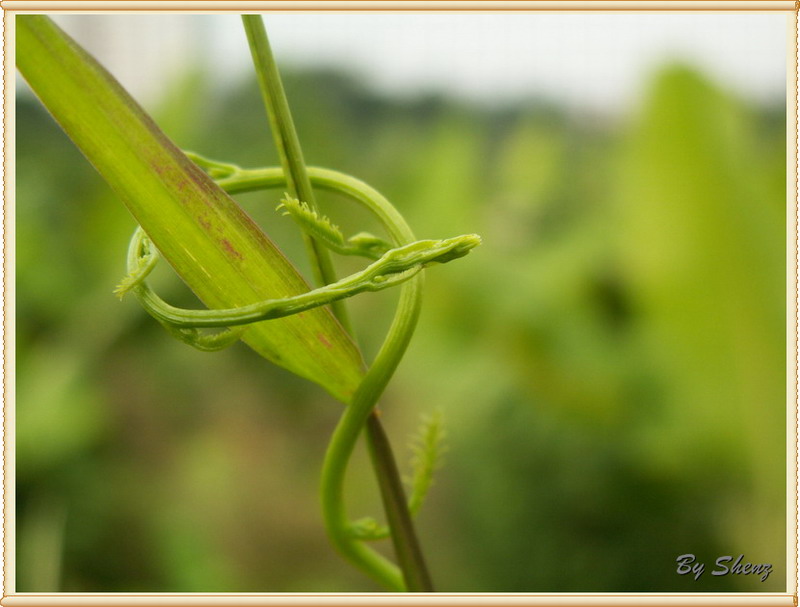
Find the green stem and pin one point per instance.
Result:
(400, 333)
(289, 150)
(409, 553)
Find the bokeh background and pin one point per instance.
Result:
(610, 364)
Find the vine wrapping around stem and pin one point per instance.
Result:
(399, 264)
(288, 145)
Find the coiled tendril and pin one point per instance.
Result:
(398, 262)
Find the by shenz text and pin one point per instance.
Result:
(724, 565)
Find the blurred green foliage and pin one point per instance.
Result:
(610, 363)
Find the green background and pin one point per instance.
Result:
(610, 364)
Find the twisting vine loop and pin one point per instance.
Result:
(398, 262)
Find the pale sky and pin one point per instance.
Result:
(594, 61)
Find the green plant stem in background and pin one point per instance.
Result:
(404, 537)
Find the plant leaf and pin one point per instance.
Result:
(206, 237)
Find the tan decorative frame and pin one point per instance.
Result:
(10, 598)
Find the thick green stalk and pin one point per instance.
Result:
(346, 434)
(206, 237)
